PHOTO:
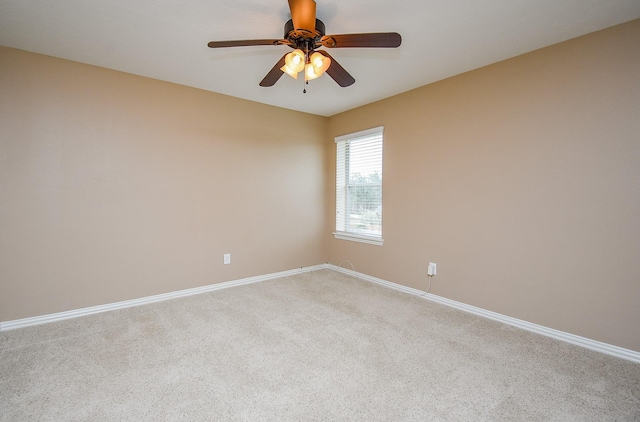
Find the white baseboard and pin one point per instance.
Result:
(59, 316)
(598, 346)
(587, 343)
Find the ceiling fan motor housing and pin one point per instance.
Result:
(301, 38)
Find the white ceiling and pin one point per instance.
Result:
(167, 40)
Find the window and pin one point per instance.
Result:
(359, 186)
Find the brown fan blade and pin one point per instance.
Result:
(374, 40)
(303, 14)
(274, 74)
(245, 43)
(337, 72)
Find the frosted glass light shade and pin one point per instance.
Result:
(320, 63)
(289, 72)
(294, 63)
(309, 72)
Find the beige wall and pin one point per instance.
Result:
(521, 180)
(115, 187)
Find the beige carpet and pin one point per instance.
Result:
(315, 346)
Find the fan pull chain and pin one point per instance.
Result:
(306, 60)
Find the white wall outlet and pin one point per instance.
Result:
(227, 258)
(431, 270)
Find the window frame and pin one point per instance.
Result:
(343, 234)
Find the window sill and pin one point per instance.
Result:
(358, 238)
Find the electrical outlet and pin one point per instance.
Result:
(431, 270)
(227, 258)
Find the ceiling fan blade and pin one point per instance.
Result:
(245, 43)
(337, 72)
(303, 14)
(375, 40)
(274, 74)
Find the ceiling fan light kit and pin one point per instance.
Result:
(306, 34)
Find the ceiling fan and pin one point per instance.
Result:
(306, 34)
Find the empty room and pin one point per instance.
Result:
(320, 210)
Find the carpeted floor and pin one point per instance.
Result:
(315, 346)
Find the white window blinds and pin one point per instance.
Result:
(359, 186)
